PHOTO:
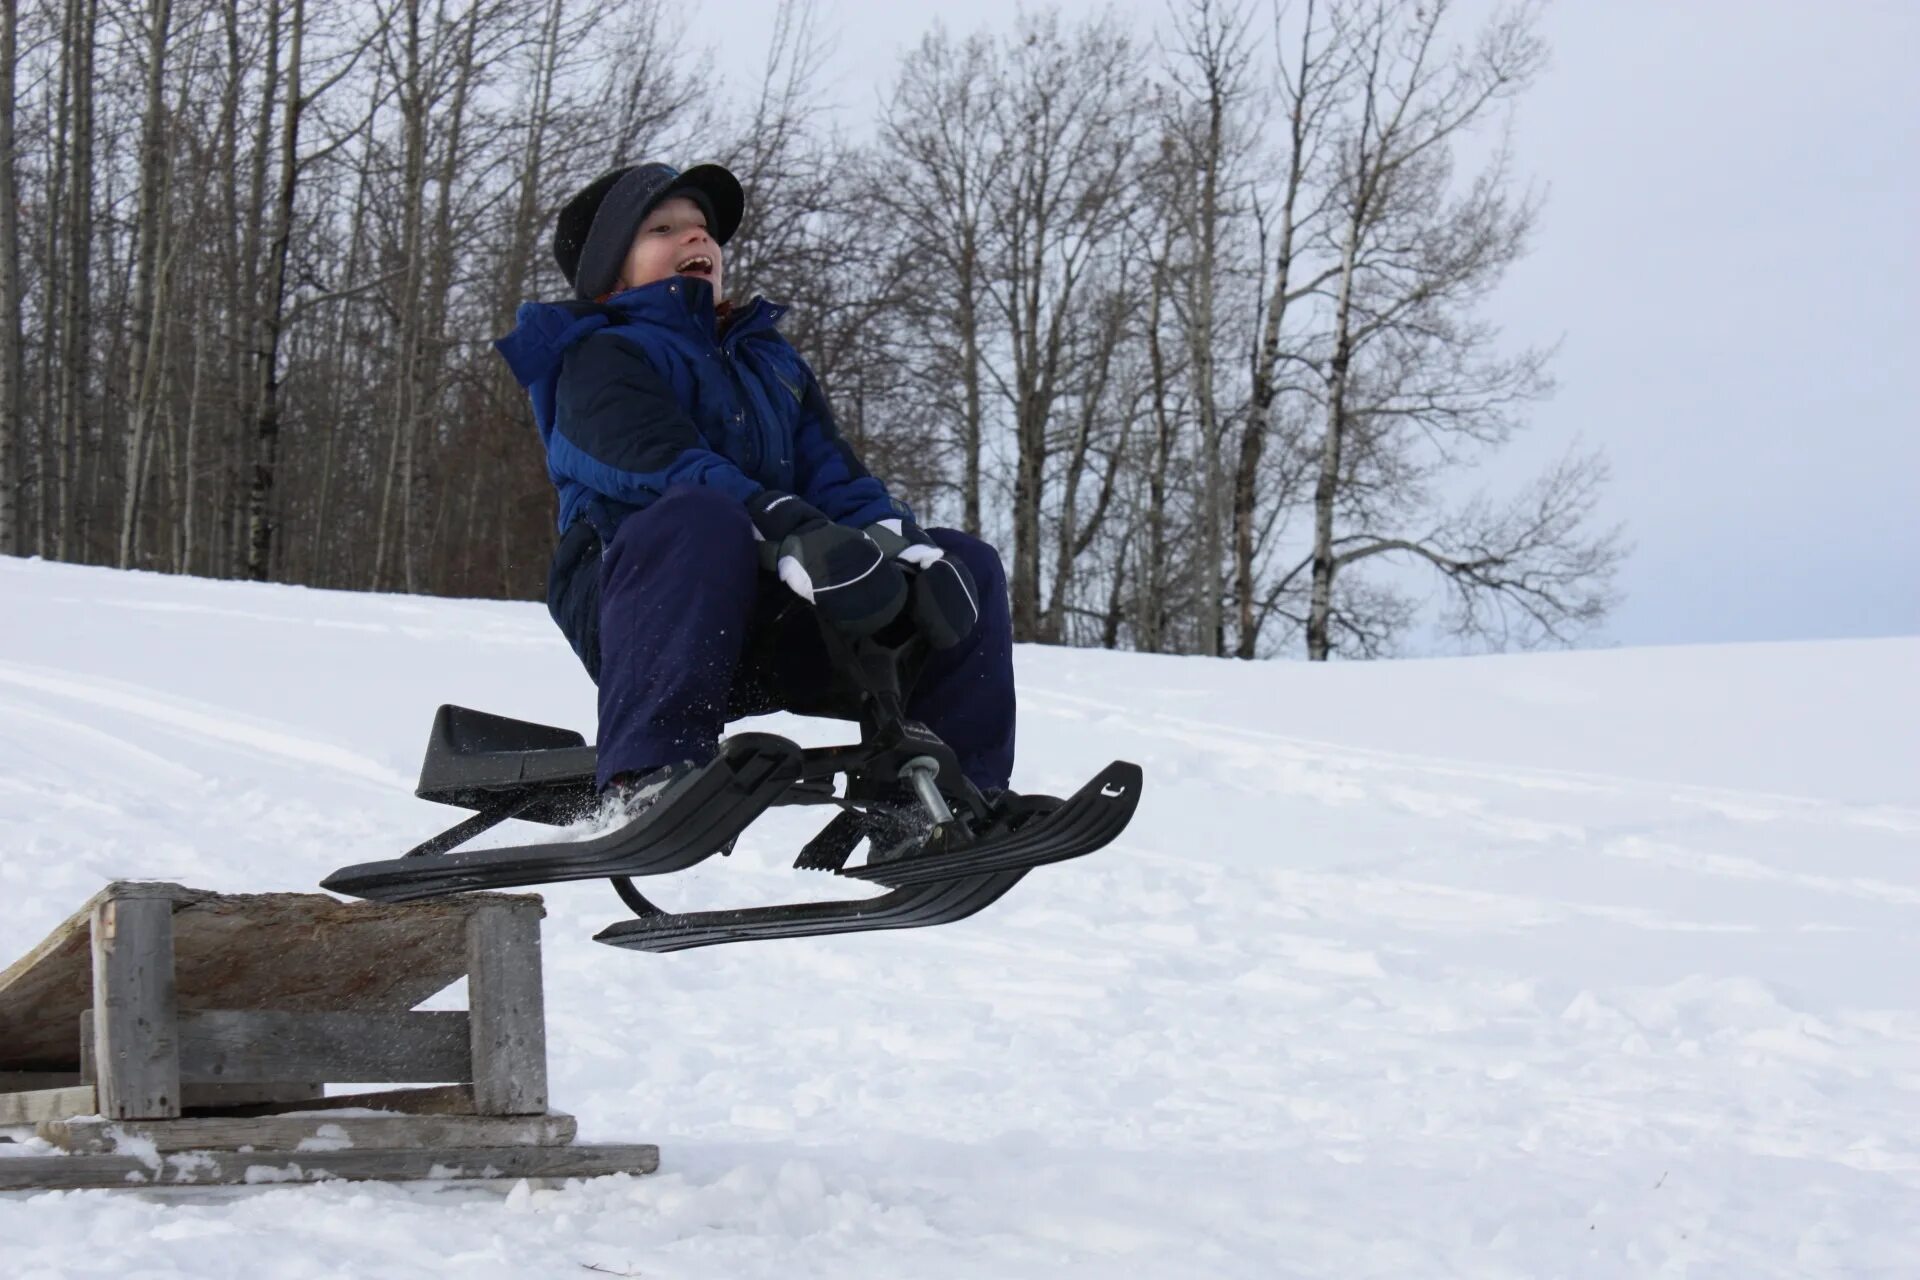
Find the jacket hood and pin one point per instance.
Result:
(542, 333)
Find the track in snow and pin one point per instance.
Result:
(1600, 985)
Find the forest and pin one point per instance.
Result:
(1191, 322)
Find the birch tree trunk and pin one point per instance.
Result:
(1153, 575)
(945, 160)
(1309, 88)
(335, 351)
(1201, 340)
(1327, 484)
(190, 462)
(207, 518)
(248, 378)
(266, 442)
(13, 418)
(1070, 115)
(971, 435)
(418, 535)
(47, 465)
(1072, 536)
(399, 475)
(77, 315)
(149, 236)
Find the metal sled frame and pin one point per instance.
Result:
(974, 852)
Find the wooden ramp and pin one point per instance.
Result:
(162, 1029)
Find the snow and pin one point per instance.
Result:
(1589, 964)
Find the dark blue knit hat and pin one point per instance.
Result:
(595, 229)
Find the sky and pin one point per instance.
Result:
(1730, 259)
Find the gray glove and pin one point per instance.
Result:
(837, 570)
(944, 599)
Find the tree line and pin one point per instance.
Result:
(1189, 322)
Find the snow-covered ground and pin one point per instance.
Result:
(1593, 964)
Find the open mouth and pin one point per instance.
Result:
(697, 265)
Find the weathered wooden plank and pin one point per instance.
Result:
(507, 1008)
(431, 1100)
(323, 955)
(311, 1133)
(36, 1105)
(372, 1048)
(136, 1049)
(20, 1081)
(44, 992)
(226, 1094)
(209, 1168)
(222, 1045)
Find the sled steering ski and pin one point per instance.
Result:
(939, 848)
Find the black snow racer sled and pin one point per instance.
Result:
(941, 849)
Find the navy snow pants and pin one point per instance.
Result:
(691, 634)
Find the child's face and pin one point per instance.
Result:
(672, 240)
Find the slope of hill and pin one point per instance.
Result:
(1579, 964)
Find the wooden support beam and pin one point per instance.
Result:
(89, 1071)
(36, 1105)
(60, 1102)
(311, 1133)
(506, 1004)
(133, 1008)
(211, 1168)
(221, 1046)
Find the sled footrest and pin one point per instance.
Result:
(1092, 818)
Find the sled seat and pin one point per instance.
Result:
(477, 760)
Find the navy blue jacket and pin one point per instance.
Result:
(642, 392)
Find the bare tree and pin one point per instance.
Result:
(1412, 384)
(266, 434)
(1070, 119)
(415, 69)
(1118, 311)
(655, 84)
(941, 159)
(1203, 151)
(1154, 611)
(13, 417)
(1100, 425)
(525, 222)
(76, 231)
(1311, 77)
(150, 232)
(776, 153)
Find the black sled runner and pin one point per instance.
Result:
(941, 849)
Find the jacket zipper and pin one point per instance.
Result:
(749, 419)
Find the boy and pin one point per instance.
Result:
(681, 433)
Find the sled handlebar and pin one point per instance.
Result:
(881, 667)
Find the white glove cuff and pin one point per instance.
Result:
(921, 554)
(796, 578)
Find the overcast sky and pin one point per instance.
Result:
(1730, 255)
